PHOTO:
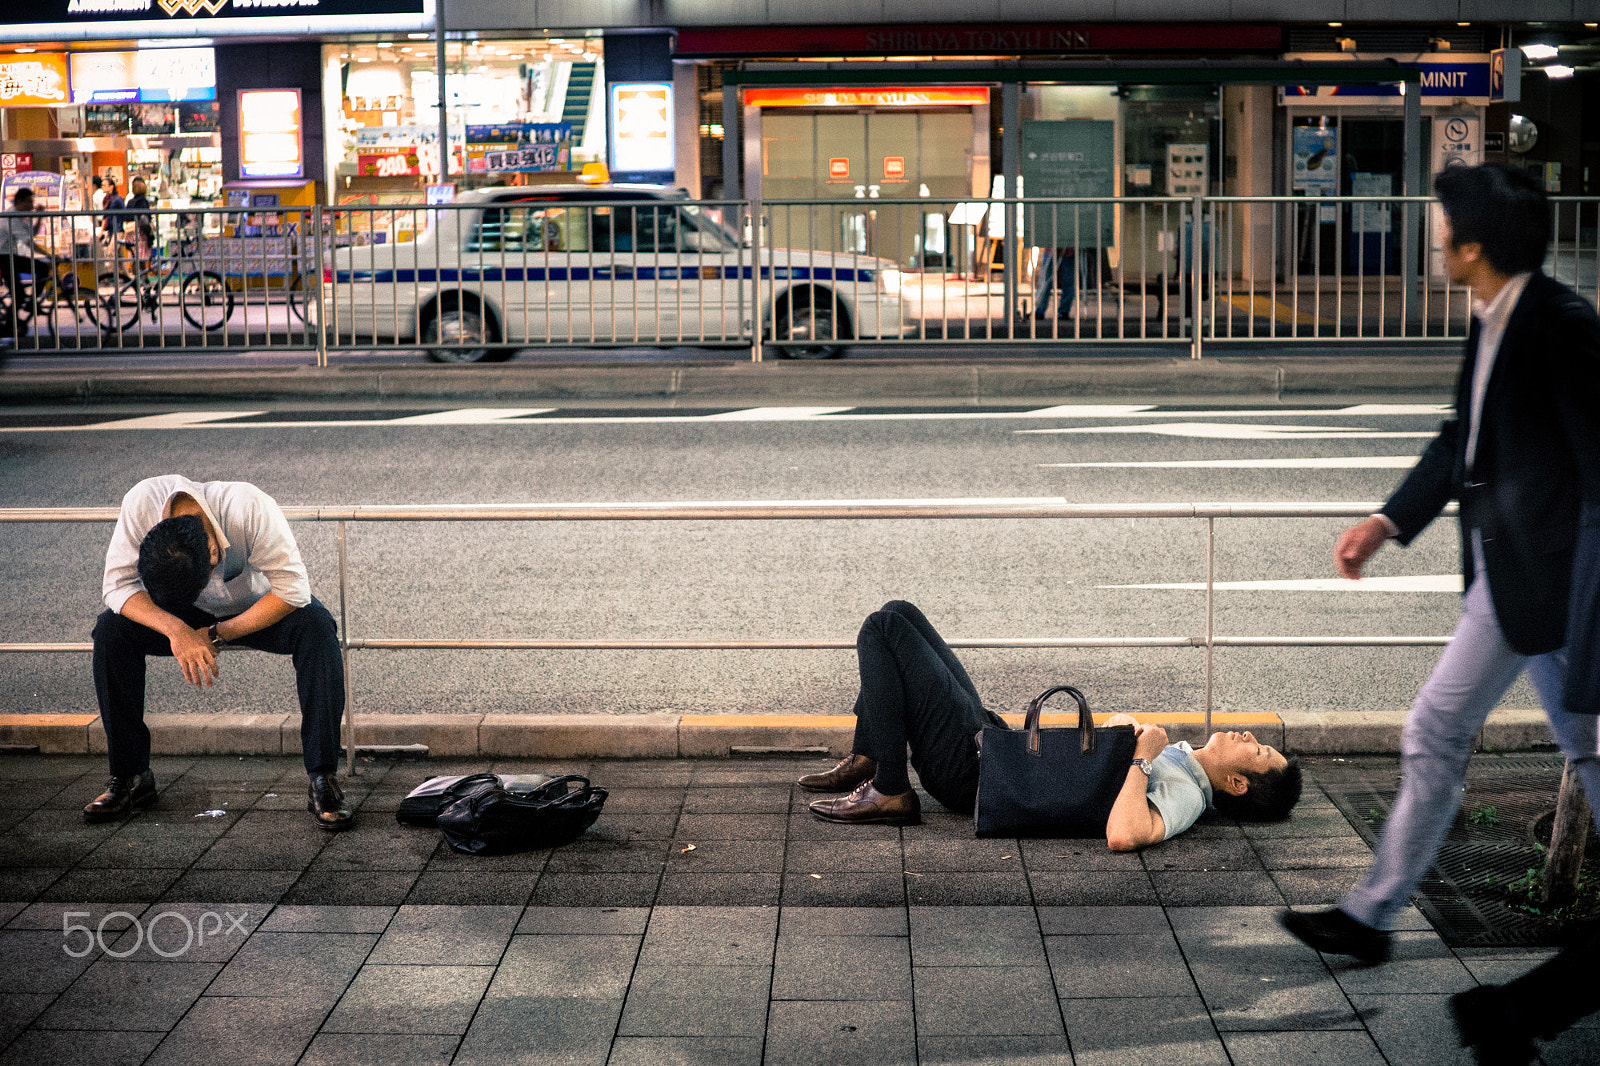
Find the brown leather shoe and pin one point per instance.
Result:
(867, 806)
(851, 771)
(121, 796)
(325, 800)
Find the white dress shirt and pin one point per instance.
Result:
(1492, 317)
(259, 554)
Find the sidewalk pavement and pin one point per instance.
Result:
(1048, 372)
(706, 918)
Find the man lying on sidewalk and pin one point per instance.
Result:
(193, 566)
(914, 691)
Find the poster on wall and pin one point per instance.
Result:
(202, 117)
(269, 134)
(152, 120)
(1316, 160)
(641, 127)
(105, 120)
(1067, 159)
(34, 80)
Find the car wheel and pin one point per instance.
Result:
(807, 321)
(460, 334)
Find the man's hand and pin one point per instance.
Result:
(1149, 741)
(1122, 719)
(1358, 544)
(198, 660)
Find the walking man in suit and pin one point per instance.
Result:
(1522, 455)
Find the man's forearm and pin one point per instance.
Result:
(261, 614)
(1134, 822)
(142, 609)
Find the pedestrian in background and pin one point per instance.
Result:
(1522, 455)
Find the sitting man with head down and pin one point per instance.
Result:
(915, 692)
(194, 566)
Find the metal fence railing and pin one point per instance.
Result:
(1207, 639)
(517, 269)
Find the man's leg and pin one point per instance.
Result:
(910, 696)
(1475, 671)
(120, 647)
(1578, 735)
(310, 636)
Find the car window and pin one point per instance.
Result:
(645, 228)
(530, 228)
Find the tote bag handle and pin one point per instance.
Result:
(1085, 719)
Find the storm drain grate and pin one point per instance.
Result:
(1464, 893)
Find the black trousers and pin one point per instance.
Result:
(308, 634)
(914, 691)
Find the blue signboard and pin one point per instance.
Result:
(1440, 81)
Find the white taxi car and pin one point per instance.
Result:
(506, 268)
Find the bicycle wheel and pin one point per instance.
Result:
(205, 300)
(296, 296)
(119, 307)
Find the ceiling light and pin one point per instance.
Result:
(25, 51)
(1557, 70)
(363, 59)
(1336, 25)
(418, 36)
(1537, 52)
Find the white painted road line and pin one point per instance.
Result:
(173, 420)
(1332, 462)
(1409, 583)
(773, 414)
(1226, 431)
(467, 416)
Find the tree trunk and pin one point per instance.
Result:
(1567, 837)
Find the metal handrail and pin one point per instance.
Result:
(760, 510)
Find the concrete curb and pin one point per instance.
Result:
(853, 381)
(670, 736)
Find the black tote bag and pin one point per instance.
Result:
(1051, 782)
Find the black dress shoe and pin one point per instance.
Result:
(1490, 1024)
(1333, 932)
(867, 806)
(325, 800)
(121, 797)
(851, 771)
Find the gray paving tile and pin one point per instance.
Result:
(626, 921)
(150, 996)
(572, 1031)
(710, 936)
(1414, 1029)
(843, 921)
(458, 936)
(841, 1034)
(1315, 853)
(315, 965)
(189, 932)
(699, 827)
(110, 918)
(848, 889)
(1191, 853)
(1197, 888)
(745, 855)
(590, 966)
(36, 962)
(962, 856)
(1578, 1046)
(1077, 855)
(18, 1010)
(97, 1046)
(720, 889)
(380, 1049)
(604, 856)
(1134, 964)
(1035, 1050)
(344, 888)
(267, 840)
(985, 1001)
(23, 884)
(158, 841)
(410, 999)
(842, 967)
(287, 918)
(111, 886)
(468, 889)
(231, 886)
(1254, 975)
(975, 936)
(946, 889)
(854, 856)
(1305, 822)
(645, 801)
(1171, 1032)
(1419, 962)
(265, 1032)
(686, 1051)
(1322, 888)
(1497, 969)
(1054, 921)
(696, 1001)
(378, 844)
(1073, 888)
(52, 838)
(1346, 1048)
(596, 890)
(446, 860)
(738, 799)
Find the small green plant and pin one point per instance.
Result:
(1486, 817)
(1373, 815)
(1526, 893)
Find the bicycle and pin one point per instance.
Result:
(54, 292)
(203, 295)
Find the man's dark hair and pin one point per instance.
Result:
(1499, 207)
(1270, 797)
(175, 562)
(20, 195)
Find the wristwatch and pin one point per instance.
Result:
(217, 642)
(1144, 764)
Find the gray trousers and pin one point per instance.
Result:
(1475, 671)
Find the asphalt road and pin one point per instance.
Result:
(726, 580)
